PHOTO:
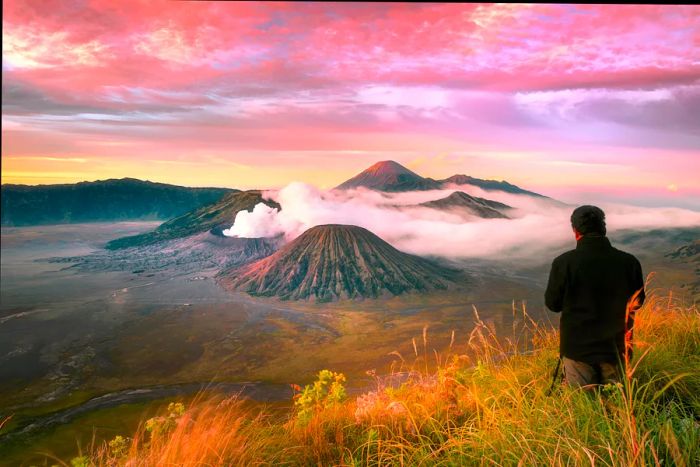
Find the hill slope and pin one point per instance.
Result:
(100, 201)
(213, 217)
(473, 205)
(329, 262)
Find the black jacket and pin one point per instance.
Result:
(591, 287)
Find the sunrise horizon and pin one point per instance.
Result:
(668, 196)
(569, 100)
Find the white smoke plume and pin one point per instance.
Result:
(261, 222)
(536, 225)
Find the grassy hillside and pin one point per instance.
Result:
(489, 405)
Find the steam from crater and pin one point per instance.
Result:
(261, 222)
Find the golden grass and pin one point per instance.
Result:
(490, 405)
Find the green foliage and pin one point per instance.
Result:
(80, 461)
(326, 391)
(176, 409)
(161, 425)
(119, 446)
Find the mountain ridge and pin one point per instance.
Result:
(106, 200)
(489, 185)
(390, 176)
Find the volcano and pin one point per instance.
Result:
(213, 217)
(470, 205)
(389, 176)
(331, 262)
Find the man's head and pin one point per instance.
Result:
(588, 220)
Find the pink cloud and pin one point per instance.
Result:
(393, 78)
(500, 47)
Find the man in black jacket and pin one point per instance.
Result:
(597, 289)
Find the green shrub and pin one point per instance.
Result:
(326, 391)
(160, 425)
(119, 446)
(80, 461)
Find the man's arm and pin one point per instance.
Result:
(635, 303)
(554, 295)
(638, 295)
(639, 283)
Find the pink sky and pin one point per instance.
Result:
(568, 100)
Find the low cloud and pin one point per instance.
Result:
(536, 226)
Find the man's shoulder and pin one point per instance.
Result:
(564, 257)
(625, 256)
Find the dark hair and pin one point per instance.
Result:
(588, 220)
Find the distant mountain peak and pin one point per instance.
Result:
(460, 195)
(470, 205)
(389, 176)
(333, 261)
(389, 167)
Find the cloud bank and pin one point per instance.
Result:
(535, 226)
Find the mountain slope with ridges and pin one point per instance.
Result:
(331, 262)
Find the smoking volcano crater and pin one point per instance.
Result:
(332, 262)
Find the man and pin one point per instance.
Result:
(597, 289)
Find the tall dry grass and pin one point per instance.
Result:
(486, 404)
